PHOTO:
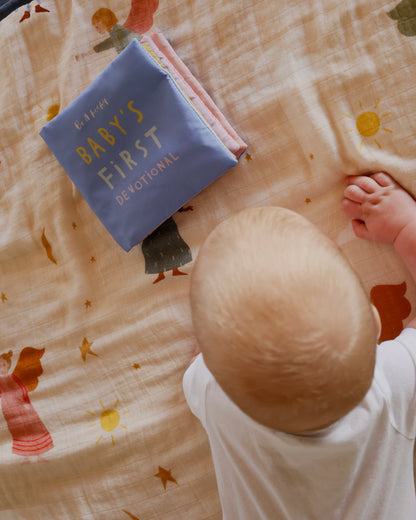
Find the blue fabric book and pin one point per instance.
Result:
(135, 146)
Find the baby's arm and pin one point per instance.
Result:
(383, 211)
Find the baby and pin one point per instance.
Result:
(306, 417)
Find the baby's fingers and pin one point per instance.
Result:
(355, 193)
(383, 179)
(365, 182)
(360, 229)
(351, 208)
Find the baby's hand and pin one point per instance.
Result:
(380, 208)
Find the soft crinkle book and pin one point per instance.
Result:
(135, 146)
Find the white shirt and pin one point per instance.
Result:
(360, 468)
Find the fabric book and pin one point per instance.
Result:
(136, 145)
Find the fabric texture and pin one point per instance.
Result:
(317, 89)
(359, 468)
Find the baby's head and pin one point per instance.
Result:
(282, 320)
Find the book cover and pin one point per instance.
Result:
(135, 146)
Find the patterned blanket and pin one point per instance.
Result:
(94, 340)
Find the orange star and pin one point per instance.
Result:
(87, 304)
(86, 349)
(130, 515)
(308, 201)
(136, 366)
(164, 476)
(3, 297)
(74, 225)
(92, 259)
(248, 157)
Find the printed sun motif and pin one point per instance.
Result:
(51, 112)
(368, 123)
(109, 420)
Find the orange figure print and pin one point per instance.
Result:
(30, 436)
(138, 22)
(393, 308)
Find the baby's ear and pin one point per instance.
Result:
(196, 353)
(377, 320)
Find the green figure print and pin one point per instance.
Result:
(405, 14)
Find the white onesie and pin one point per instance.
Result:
(360, 468)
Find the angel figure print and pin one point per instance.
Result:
(30, 436)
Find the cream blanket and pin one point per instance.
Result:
(94, 424)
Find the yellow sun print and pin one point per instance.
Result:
(110, 420)
(52, 111)
(369, 123)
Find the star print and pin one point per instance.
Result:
(248, 157)
(87, 304)
(311, 156)
(92, 259)
(308, 201)
(74, 225)
(86, 349)
(130, 515)
(136, 366)
(3, 297)
(164, 476)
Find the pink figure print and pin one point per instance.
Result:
(140, 18)
(30, 436)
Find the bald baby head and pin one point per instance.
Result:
(282, 320)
